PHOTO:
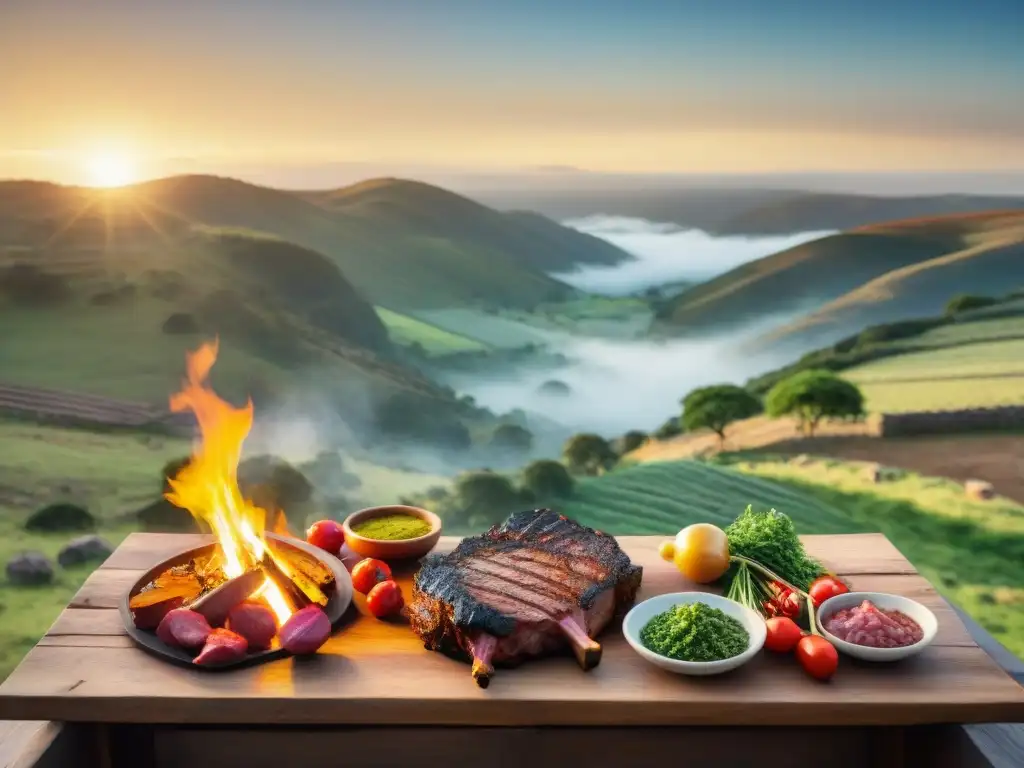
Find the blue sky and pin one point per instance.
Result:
(733, 85)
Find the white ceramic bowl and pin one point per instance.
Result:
(924, 617)
(642, 613)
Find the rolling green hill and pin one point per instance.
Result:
(988, 260)
(109, 301)
(400, 243)
(972, 359)
(882, 272)
(930, 520)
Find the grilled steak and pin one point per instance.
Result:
(535, 584)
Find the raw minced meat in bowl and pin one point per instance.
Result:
(876, 626)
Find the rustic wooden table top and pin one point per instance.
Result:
(377, 672)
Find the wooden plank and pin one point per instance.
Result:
(860, 553)
(377, 671)
(353, 681)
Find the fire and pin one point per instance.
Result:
(208, 486)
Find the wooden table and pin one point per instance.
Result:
(373, 687)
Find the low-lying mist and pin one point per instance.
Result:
(617, 385)
(666, 253)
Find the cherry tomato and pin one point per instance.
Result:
(700, 552)
(817, 656)
(783, 634)
(825, 587)
(368, 573)
(385, 599)
(326, 534)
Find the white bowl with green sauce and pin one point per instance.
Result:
(738, 635)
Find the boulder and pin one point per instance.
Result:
(29, 569)
(180, 323)
(874, 473)
(84, 549)
(60, 517)
(979, 490)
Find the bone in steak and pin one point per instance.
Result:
(524, 588)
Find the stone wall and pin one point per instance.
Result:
(951, 422)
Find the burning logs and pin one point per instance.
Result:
(205, 619)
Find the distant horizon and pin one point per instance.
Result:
(581, 180)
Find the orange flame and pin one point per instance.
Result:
(208, 486)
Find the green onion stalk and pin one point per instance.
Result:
(754, 591)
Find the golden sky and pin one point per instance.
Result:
(193, 87)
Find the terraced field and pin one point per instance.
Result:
(661, 498)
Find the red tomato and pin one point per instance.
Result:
(368, 573)
(385, 599)
(783, 634)
(326, 534)
(817, 656)
(825, 587)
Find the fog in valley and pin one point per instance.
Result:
(666, 253)
(618, 385)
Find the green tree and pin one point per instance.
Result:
(512, 437)
(588, 454)
(546, 479)
(814, 395)
(630, 441)
(484, 498)
(718, 406)
(669, 429)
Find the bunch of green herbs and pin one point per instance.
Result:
(770, 538)
(695, 632)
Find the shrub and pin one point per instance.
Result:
(718, 406)
(180, 323)
(630, 441)
(546, 479)
(409, 416)
(814, 395)
(273, 482)
(27, 284)
(171, 470)
(59, 518)
(588, 454)
(484, 498)
(965, 302)
(512, 437)
(555, 387)
(161, 516)
(669, 429)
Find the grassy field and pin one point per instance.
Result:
(604, 316)
(928, 519)
(490, 329)
(963, 375)
(406, 330)
(111, 475)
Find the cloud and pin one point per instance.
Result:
(667, 253)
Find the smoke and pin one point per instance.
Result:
(666, 254)
(617, 386)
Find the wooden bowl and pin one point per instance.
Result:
(337, 604)
(400, 549)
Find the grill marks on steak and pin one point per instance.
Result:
(529, 586)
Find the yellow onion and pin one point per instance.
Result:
(700, 552)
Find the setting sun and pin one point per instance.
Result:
(110, 169)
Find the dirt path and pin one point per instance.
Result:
(997, 458)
